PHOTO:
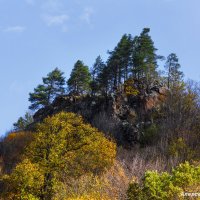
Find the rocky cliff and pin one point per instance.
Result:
(119, 115)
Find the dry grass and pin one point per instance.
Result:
(113, 184)
(138, 160)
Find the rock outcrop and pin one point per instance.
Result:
(120, 115)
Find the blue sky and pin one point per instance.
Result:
(38, 35)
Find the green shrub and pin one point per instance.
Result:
(149, 135)
(159, 186)
(187, 176)
(179, 148)
(134, 192)
(165, 186)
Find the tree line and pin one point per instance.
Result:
(134, 59)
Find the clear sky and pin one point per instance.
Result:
(38, 35)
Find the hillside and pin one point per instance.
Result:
(121, 130)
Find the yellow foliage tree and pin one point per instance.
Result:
(129, 88)
(25, 182)
(65, 146)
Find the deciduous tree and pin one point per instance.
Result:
(65, 146)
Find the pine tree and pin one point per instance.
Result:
(44, 94)
(97, 68)
(80, 79)
(96, 72)
(124, 50)
(119, 61)
(144, 57)
(174, 75)
(23, 122)
(55, 84)
(104, 81)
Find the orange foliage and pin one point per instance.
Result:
(14, 144)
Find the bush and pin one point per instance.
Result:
(129, 88)
(134, 192)
(12, 147)
(164, 186)
(187, 176)
(25, 182)
(178, 148)
(150, 135)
